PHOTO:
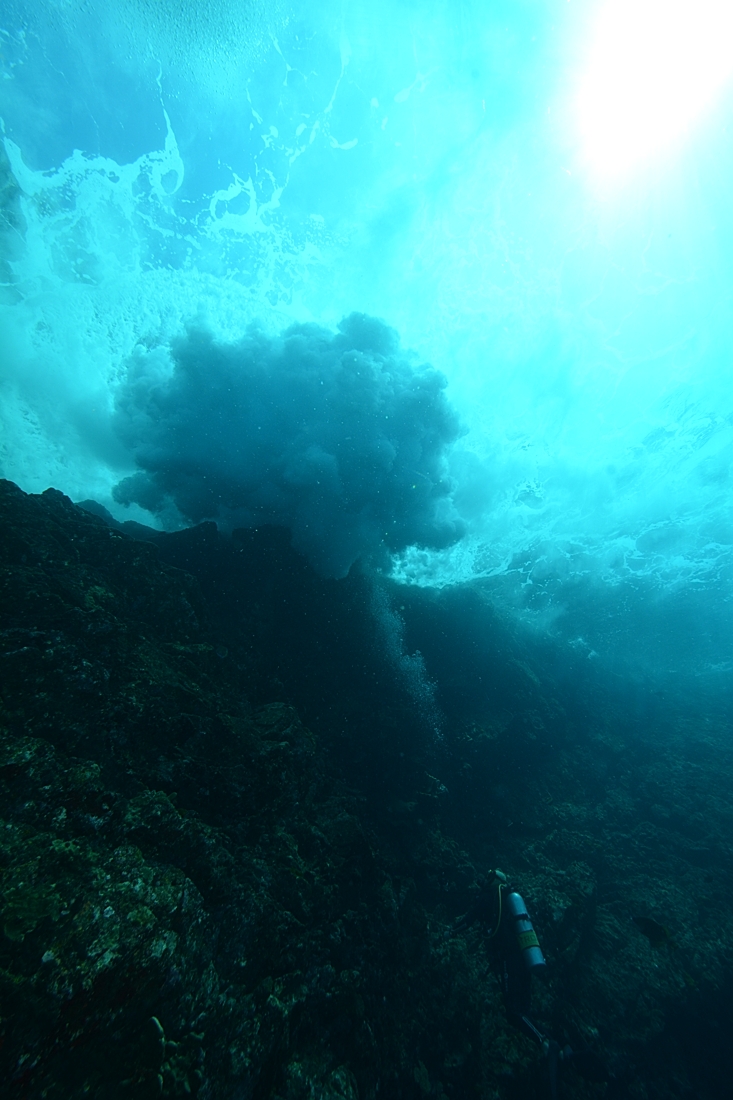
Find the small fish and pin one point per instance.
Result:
(656, 933)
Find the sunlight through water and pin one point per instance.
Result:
(653, 67)
(205, 176)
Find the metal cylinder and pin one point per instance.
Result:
(529, 945)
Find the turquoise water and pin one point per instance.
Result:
(533, 202)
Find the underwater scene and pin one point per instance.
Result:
(366, 549)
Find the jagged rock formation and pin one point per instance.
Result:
(201, 895)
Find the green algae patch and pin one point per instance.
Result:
(26, 905)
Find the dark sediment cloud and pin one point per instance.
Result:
(340, 437)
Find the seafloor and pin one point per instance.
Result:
(234, 846)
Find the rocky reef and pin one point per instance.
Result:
(232, 851)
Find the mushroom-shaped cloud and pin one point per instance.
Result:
(340, 437)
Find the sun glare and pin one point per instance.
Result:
(652, 68)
